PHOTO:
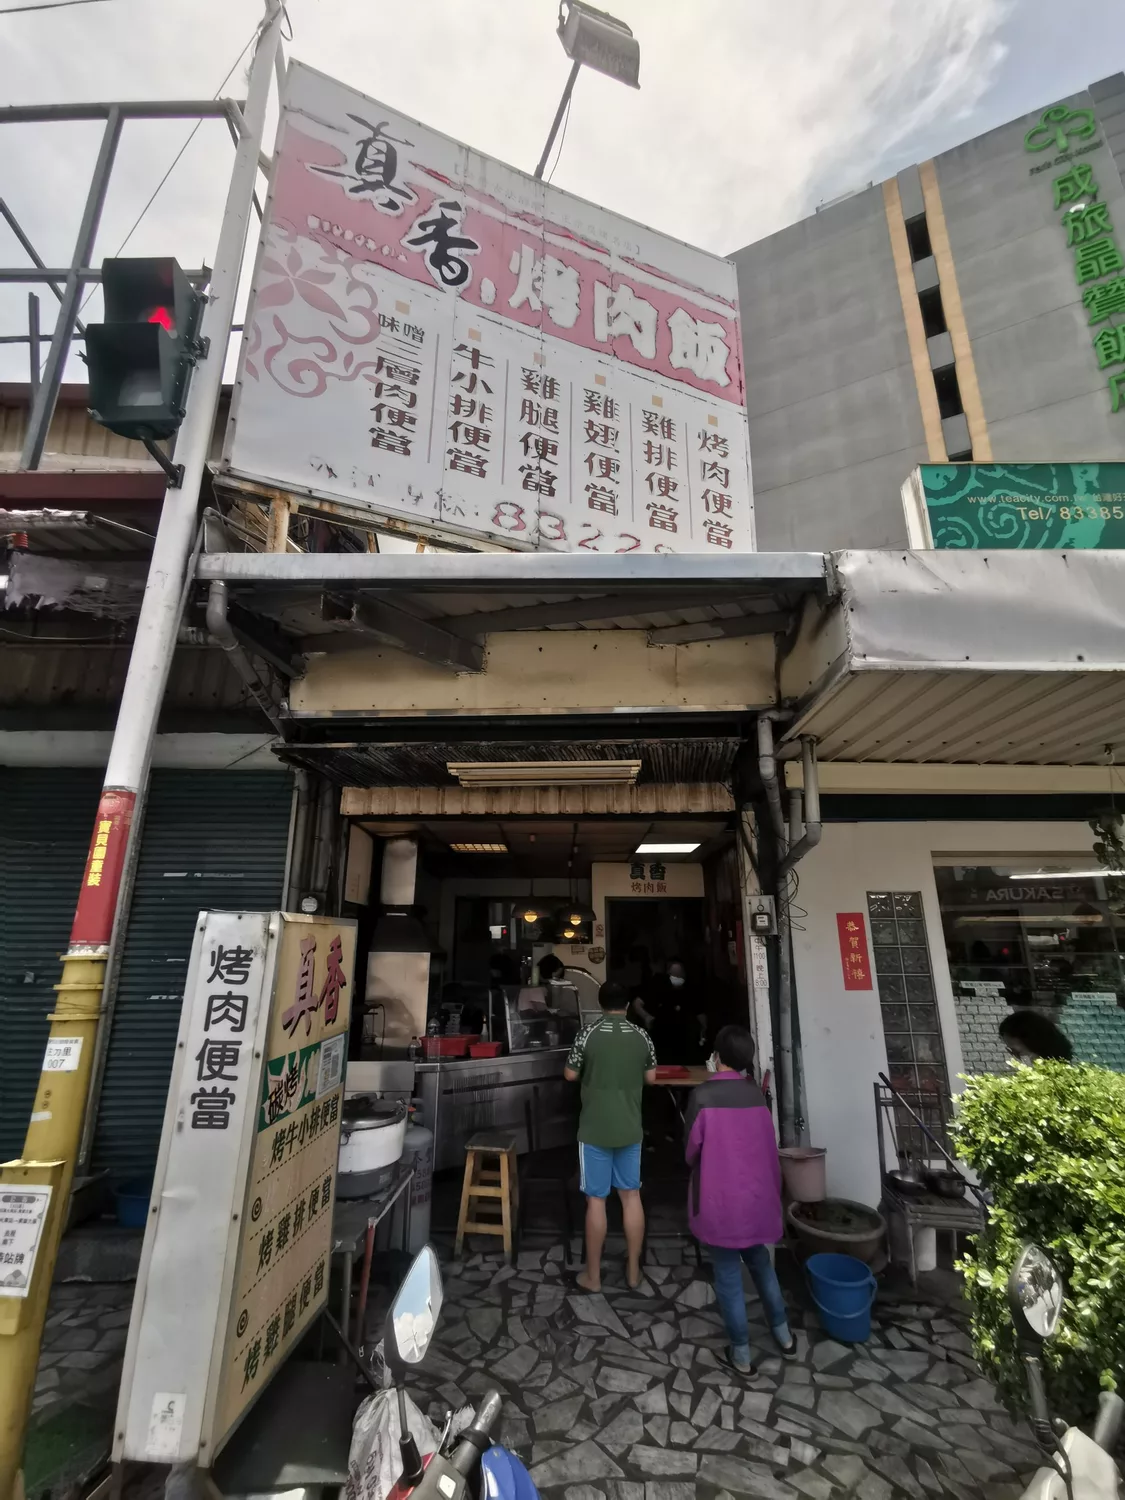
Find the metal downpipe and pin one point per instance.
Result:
(224, 636)
(299, 858)
(813, 827)
(767, 770)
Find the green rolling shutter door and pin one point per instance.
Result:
(45, 822)
(212, 840)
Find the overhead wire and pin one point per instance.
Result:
(15, 10)
(562, 139)
(179, 154)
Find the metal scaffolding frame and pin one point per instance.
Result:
(67, 282)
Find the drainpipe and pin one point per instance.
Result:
(794, 846)
(813, 827)
(322, 839)
(767, 770)
(300, 843)
(223, 634)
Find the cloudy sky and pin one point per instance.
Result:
(750, 112)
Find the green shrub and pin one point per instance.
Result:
(1049, 1141)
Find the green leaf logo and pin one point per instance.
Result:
(1057, 125)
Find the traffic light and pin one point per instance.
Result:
(141, 358)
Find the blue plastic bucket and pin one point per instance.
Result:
(132, 1200)
(843, 1289)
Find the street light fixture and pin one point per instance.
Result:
(600, 41)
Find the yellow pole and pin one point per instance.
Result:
(49, 1154)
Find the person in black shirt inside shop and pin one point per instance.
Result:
(677, 1018)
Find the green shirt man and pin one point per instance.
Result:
(614, 1060)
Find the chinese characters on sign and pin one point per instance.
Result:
(23, 1212)
(218, 1063)
(281, 1279)
(432, 336)
(236, 1260)
(1090, 235)
(853, 950)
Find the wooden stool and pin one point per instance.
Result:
(492, 1181)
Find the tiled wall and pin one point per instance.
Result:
(978, 1021)
(1096, 1029)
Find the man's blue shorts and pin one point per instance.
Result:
(601, 1169)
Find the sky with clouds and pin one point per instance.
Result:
(748, 115)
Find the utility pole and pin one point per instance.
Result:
(54, 1132)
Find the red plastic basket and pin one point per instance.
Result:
(448, 1046)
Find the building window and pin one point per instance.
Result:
(933, 313)
(948, 392)
(1035, 937)
(918, 238)
(915, 1054)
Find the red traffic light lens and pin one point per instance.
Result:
(163, 316)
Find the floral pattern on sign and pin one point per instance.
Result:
(313, 282)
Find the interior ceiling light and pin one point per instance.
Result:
(479, 848)
(545, 772)
(666, 848)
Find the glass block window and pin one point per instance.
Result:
(915, 1054)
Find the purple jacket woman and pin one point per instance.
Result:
(734, 1200)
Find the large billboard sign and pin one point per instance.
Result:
(1021, 506)
(438, 339)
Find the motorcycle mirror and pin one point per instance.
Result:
(1035, 1294)
(413, 1314)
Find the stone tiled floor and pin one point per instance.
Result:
(621, 1396)
(76, 1384)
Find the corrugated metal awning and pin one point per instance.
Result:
(1009, 658)
(441, 607)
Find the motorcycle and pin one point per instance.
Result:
(468, 1464)
(1078, 1467)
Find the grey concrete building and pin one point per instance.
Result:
(966, 309)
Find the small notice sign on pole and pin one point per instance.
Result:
(23, 1212)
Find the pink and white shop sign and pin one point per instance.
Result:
(440, 340)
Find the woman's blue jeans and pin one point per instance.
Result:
(727, 1267)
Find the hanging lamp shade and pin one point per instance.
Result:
(531, 910)
(575, 914)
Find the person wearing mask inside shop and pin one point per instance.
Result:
(1030, 1037)
(677, 1018)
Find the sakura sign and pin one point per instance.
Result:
(440, 340)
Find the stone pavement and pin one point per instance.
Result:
(621, 1396)
(76, 1385)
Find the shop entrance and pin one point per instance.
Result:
(484, 964)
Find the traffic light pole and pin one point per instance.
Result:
(54, 1132)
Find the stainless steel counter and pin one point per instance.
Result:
(463, 1095)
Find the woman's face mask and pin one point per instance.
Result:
(713, 1063)
(676, 981)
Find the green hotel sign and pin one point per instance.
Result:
(988, 506)
(1098, 260)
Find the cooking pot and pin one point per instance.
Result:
(371, 1140)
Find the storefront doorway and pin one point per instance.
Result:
(485, 967)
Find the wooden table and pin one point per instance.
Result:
(680, 1084)
(692, 1075)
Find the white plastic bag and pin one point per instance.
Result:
(374, 1460)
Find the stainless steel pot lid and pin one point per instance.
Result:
(366, 1112)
